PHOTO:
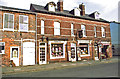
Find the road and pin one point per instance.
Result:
(100, 70)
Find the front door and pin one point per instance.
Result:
(42, 53)
(28, 53)
(14, 55)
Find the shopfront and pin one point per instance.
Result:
(57, 49)
(83, 48)
(106, 49)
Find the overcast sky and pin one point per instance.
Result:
(108, 9)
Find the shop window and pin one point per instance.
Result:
(83, 30)
(57, 50)
(8, 22)
(56, 28)
(84, 50)
(72, 30)
(23, 23)
(103, 31)
(2, 48)
(42, 27)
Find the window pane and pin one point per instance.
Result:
(5, 24)
(42, 27)
(23, 26)
(10, 18)
(21, 19)
(10, 25)
(56, 28)
(25, 19)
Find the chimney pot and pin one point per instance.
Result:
(82, 7)
(60, 5)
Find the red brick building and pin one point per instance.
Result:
(70, 35)
(17, 36)
(46, 34)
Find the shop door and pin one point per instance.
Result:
(96, 53)
(42, 53)
(14, 55)
(28, 53)
(73, 52)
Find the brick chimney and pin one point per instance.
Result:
(82, 7)
(60, 5)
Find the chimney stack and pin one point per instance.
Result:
(60, 5)
(82, 7)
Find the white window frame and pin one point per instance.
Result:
(23, 23)
(56, 28)
(57, 42)
(95, 31)
(8, 29)
(42, 27)
(103, 31)
(51, 7)
(4, 48)
(72, 29)
(84, 30)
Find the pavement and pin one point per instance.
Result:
(58, 65)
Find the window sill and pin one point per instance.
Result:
(84, 55)
(8, 30)
(22, 30)
(56, 57)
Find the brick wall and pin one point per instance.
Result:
(14, 38)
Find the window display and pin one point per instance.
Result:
(57, 50)
(83, 48)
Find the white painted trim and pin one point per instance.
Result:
(0, 39)
(105, 42)
(28, 39)
(84, 41)
(4, 20)
(64, 43)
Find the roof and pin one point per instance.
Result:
(5, 8)
(66, 13)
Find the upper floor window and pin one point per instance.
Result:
(23, 23)
(56, 28)
(84, 30)
(95, 32)
(8, 23)
(103, 31)
(97, 15)
(42, 26)
(2, 47)
(77, 12)
(51, 7)
(72, 30)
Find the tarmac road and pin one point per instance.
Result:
(99, 70)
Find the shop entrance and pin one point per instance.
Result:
(104, 50)
(42, 53)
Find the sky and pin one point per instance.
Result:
(108, 9)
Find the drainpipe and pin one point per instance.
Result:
(36, 38)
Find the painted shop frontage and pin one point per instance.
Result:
(45, 34)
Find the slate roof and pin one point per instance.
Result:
(5, 8)
(66, 13)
